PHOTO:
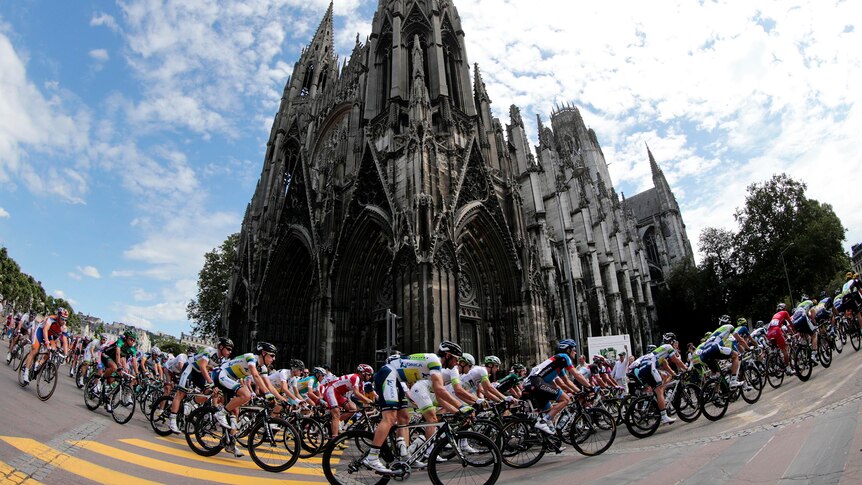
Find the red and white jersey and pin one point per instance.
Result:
(345, 384)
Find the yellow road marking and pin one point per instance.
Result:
(180, 441)
(71, 464)
(11, 476)
(213, 459)
(182, 470)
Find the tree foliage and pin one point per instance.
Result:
(743, 273)
(167, 344)
(23, 293)
(205, 311)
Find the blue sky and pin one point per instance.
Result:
(132, 132)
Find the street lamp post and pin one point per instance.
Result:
(789, 290)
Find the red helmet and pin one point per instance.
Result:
(365, 369)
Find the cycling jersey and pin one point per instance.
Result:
(240, 367)
(198, 359)
(723, 335)
(305, 384)
(55, 328)
(474, 378)
(176, 365)
(553, 367)
(415, 367)
(506, 384)
(662, 353)
(126, 351)
(91, 350)
(345, 384)
(279, 377)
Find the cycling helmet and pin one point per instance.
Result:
(566, 344)
(392, 358)
(741, 321)
(62, 313)
(759, 324)
(191, 350)
(449, 347)
(724, 320)
(296, 364)
(18, 317)
(130, 334)
(518, 367)
(225, 342)
(156, 351)
(266, 347)
(468, 358)
(598, 359)
(805, 297)
(364, 369)
(668, 338)
(848, 275)
(318, 371)
(823, 294)
(102, 337)
(781, 307)
(650, 348)
(493, 360)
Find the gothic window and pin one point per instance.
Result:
(306, 82)
(322, 83)
(651, 247)
(453, 80)
(291, 165)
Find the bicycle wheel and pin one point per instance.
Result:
(482, 465)
(160, 415)
(643, 417)
(274, 448)
(774, 370)
(488, 428)
(802, 362)
(614, 406)
(687, 403)
(206, 434)
(243, 425)
(714, 399)
(753, 385)
(17, 357)
(824, 354)
(593, 432)
(122, 401)
(342, 459)
(46, 381)
(522, 445)
(835, 341)
(313, 437)
(92, 393)
(563, 423)
(855, 337)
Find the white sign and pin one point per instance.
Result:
(609, 346)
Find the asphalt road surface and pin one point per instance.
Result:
(800, 433)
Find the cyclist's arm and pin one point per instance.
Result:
(204, 367)
(741, 341)
(491, 392)
(357, 392)
(463, 394)
(441, 393)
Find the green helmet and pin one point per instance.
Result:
(130, 334)
(518, 367)
(468, 358)
(492, 360)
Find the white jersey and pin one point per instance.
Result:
(474, 377)
(279, 377)
(175, 365)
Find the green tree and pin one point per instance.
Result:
(205, 311)
(167, 344)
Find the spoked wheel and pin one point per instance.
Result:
(687, 402)
(615, 407)
(275, 447)
(855, 337)
(842, 332)
(836, 341)
(313, 437)
(21, 375)
(342, 459)
(643, 417)
(802, 362)
(160, 415)
(122, 401)
(714, 399)
(488, 428)
(46, 381)
(824, 354)
(593, 431)
(92, 395)
(17, 357)
(753, 385)
(481, 465)
(563, 423)
(775, 370)
(521, 444)
(206, 434)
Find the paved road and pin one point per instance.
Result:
(801, 433)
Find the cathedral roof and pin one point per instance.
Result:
(644, 205)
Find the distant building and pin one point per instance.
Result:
(190, 340)
(856, 257)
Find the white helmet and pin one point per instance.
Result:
(156, 351)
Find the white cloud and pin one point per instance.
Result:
(75, 276)
(62, 294)
(141, 295)
(122, 273)
(171, 308)
(106, 20)
(99, 54)
(90, 271)
(4, 214)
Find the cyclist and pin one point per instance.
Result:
(20, 332)
(115, 356)
(719, 347)
(647, 372)
(511, 383)
(390, 381)
(759, 333)
(475, 381)
(197, 372)
(336, 395)
(307, 386)
(151, 364)
(850, 298)
(229, 377)
(12, 331)
(742, 330)
(92, 354)
(549, 382)
(280, 381)
(803, 317)
(48, 334)
(775, 332)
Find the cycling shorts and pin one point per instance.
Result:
(422, 394)
(40, 337)
(193, 376)
(648, 375)
(223, 380)
(775, 333)
(803, 325)
(541, 393)
(390, 390)
(712, 353)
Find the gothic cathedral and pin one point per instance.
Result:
(387, 184)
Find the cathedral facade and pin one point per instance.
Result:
(387, 185)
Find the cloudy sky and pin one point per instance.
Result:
(132, 132)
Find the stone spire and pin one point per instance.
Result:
(479, 90)
(323, 38)
(420, 103)
(656, 171)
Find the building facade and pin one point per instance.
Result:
(856, 257)
(387, 184)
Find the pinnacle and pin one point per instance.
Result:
(480, 91)
(652, 163)
(324, 33)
